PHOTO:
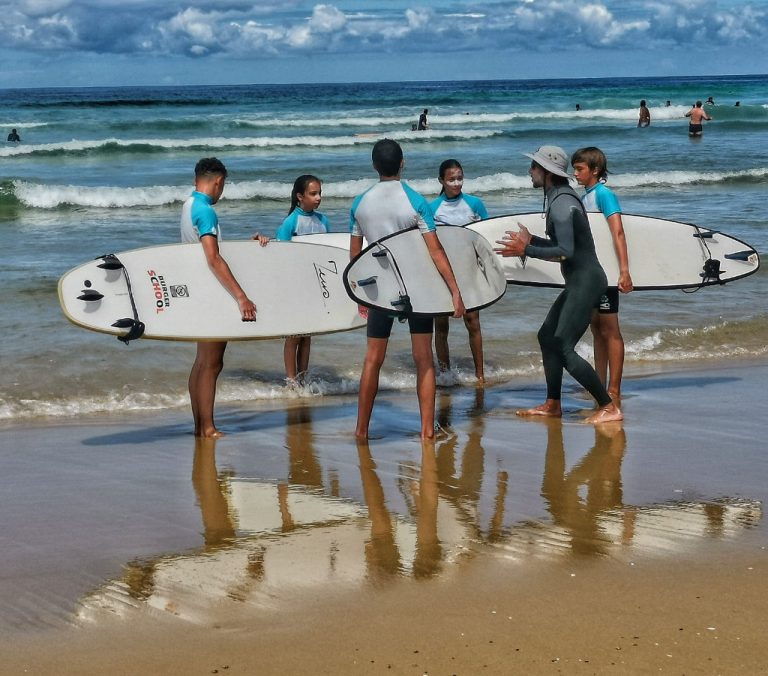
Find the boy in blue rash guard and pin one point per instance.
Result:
(386, 208)
(569, 241)
(199, 223)
(454, 207)
(590, 168)
(302, 220)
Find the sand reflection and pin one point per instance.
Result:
(403, 510)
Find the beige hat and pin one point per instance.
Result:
(552, 158)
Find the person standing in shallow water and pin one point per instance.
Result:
(454, 207)
(200, 224)
(697, 115)
(569, 241)
(389, 207)
(645, 115)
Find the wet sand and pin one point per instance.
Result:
(509, 546)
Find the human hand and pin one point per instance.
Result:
(458, 304)
(262, 239)
(247, 309)
(512, 244)
(362, 311)
(625, 282)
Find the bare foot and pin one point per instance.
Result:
(609, 413)
(210, 433)
(549, 409)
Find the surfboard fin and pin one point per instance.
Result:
(367, 281)
(709, 234)
(111, 262)
(90, 295)
(381, 253)
(740, 255)
(135, 329)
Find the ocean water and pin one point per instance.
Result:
(102, 170)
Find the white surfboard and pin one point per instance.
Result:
(337, 239)
(397, 273)
(169, 293)
(663, 254)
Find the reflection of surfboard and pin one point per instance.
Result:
(397, 273)
(662, 254)
(169, 293)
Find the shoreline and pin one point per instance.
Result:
(631, 550)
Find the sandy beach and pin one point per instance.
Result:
(508, 546)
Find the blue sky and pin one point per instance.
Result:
(146, 42)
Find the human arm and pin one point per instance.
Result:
(620, 246)
(221, 270)
(443, 265)
(355, 247)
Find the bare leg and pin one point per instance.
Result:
(421, 345)
(202, 386)
(302, 356)
(615, 350)
(472, 322)
(599, 346)
(290, 348)
(369, 383)
(549, 409)
(441, 343)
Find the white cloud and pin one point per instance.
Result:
(250, 28)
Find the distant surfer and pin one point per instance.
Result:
(645, 115)
(569, 242)
(454, 207)
(590, 169)
(14, 137)
(389, 207)
(697, 115)
(199, 223)
(422, 123)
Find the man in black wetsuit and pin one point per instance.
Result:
(568, 242)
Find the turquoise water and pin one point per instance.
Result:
(105, 169)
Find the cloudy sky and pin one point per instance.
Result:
(123, 42)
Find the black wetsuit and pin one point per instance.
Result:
(569, 240)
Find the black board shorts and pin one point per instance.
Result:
(609, 302)
(380, 323)
(695, 129)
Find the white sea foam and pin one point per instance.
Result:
(436, 120)
(250, 142)
(43, 196)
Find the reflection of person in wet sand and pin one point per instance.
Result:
(599, 471)
(429, 551)
(303, 466)
(382, 556)
(218, 527)
(464, 490)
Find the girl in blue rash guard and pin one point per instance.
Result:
(302, 219)
(453, 207)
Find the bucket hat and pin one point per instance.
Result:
(552, 158)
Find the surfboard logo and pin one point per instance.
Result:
(160, 288)
(179, 291)
(320, 272)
